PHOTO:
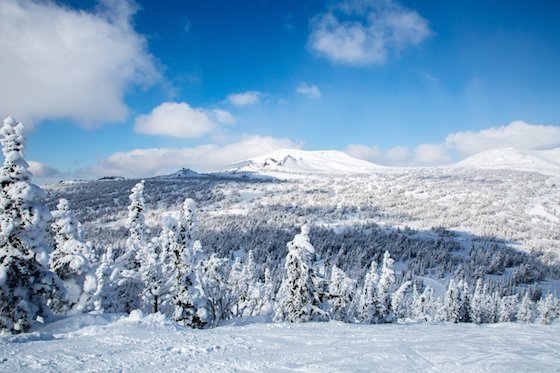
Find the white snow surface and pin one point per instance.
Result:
(152, 343)
(306, 162)
(543, 161)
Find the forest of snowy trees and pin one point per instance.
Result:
(47, 267)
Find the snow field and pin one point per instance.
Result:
(110, 343)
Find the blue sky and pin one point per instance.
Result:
(137, 89)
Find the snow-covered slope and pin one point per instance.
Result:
(306, 162)
(543, 161)
(105, 343)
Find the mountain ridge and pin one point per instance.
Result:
(296, 161)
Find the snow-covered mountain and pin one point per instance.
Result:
(182, 173)
(543, 161)
(306, 162)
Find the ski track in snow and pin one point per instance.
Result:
(99, 343)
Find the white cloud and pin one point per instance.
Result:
(397, 156)
(365, 32)
(359, 151)
(62, 63)
(431, 155)
(149, 162)
(42, 170)
(223, 116)
(175, 120)
(311, 91)
(423, 155)
(517, 135)
(245, 98)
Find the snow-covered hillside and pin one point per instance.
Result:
(306, 162)
(135, 343)
(360, 214)
(543, 161)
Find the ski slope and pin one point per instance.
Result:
(137, 343)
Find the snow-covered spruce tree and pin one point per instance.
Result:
(213, 273)
(368, 311)
(166, 243)
(548, 308)
(477, 303)
(189, 304)
(105, 296)
(151, 273)
(398, 301)
(246, 289)
(129, 282)
(341, 290)
(451, 308)
(298, 298)
(385, 289)
(69, 260)
(253, 301)
(321, 283)
(464, 302)
(525, 313)
(508, 308)
(491, 306)
(26, 283)
(237, 287)
(423, 305)
(267, 302)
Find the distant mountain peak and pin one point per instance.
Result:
(183, 172)
(298, 161)
(543, 161)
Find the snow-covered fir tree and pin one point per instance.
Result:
(321, 283)
(267, 302)
(398, 301)
(237, 287)
(451, 308)
(105, 296)
(491, 307)
(213, 273)
(368, 311)
(69, 259)
(166, 243)
(151, 273)
(548, 309)
(508, 308)
(181, 252)
(423, 305)
(477, 303)
(26, 283)
(385, 288)
(252, 301)
(130, 285)
(341, 293)
(298, 298)
(464, 301)
(525, 313)
(245, 288)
